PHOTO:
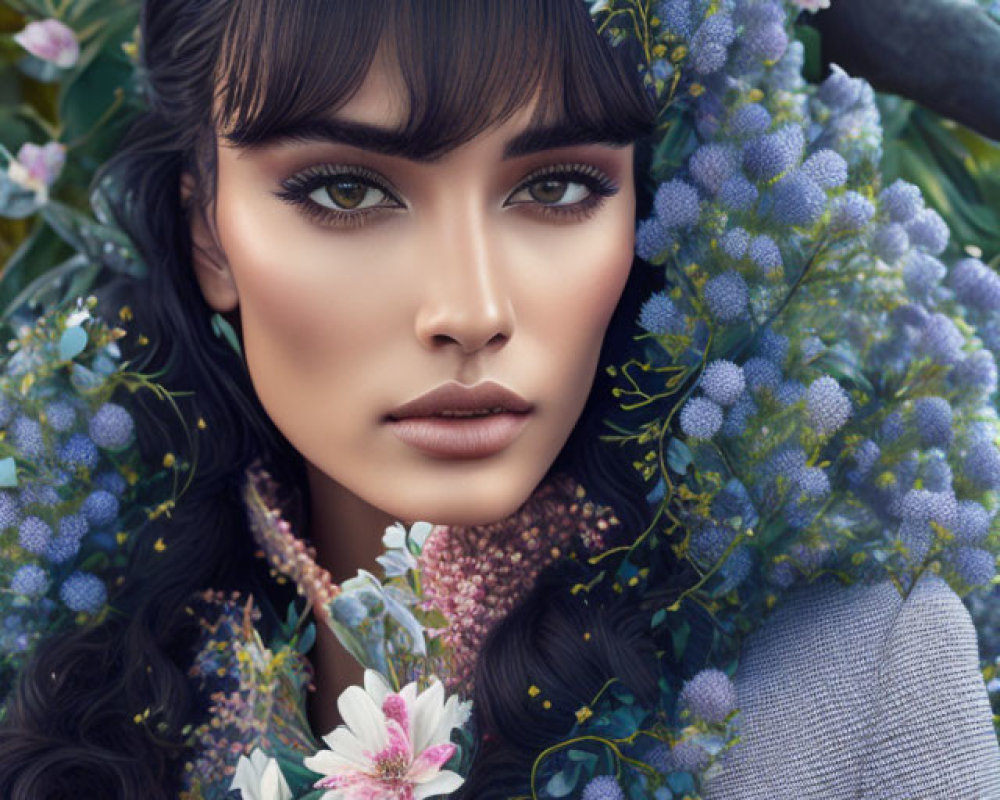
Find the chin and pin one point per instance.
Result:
(462, 505)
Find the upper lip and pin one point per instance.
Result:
(456, 397)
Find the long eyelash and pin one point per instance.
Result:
(600, 185)
(298, 187)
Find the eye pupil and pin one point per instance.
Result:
(548, 191)
(347, 193)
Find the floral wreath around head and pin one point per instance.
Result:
(810, 393)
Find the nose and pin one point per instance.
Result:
(465, 302)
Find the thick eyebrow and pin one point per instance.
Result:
(392, 142)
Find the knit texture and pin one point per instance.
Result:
(852, 692)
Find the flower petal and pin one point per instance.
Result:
(444, 782)
(377, 686)
(363, 717)
(428, 711)
(426, 765)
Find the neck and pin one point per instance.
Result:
(347, 533)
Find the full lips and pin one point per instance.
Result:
(460, 437)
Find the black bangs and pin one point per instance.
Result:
(466, 64)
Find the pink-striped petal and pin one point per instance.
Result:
(429, 762)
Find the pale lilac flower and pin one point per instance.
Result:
(36, 168)
(50, 40)
(400, 546)
(260, 778)
(392, 746)
(812, 5)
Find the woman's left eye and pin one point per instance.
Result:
(567, 192)
(553, 192)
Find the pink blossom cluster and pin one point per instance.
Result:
(476, 575)
(289, 556)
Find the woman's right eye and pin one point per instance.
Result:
(349, 194)
(338, 196)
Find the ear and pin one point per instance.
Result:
(211, 267)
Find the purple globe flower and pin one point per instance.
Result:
(100, 508)
(83, 592)
(701, 418)
(973, 523)
(30, 580)
(901, 201)
(709, 695)
(826, 168)
(723, 382)
(797, 201)
(651, 239)
(828, 405)
(677, 205)
(974, 565)
(603, 787)
(727, 296)
(891, 242)
(111, 427)
(712, 164)
(773, 154)
(748, 120)
(933, 416)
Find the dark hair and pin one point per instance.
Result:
(467, 64)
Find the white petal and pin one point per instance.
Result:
(395, 536)
(428, 712)
(442, 783)
(363, 717)
(419, 533)
(245, 779)
(377, 687)
(273, 785)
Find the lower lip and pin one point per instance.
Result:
(460, 437)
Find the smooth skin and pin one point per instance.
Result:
(395, 276)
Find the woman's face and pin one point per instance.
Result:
(365, 280)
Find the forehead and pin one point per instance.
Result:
(437, 80)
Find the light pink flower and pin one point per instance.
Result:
(36, 168)
(50, 40)
(392, 746)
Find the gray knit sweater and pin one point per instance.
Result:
(850, 692)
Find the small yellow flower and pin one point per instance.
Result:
(142, 340)
(583, 714)
(202, 424)
(125, 313)
(534, 691)
(169, 460)
(160, 545)
(547, 704)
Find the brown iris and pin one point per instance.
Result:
(548, 191)
(347, 193)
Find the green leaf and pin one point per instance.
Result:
(8, 473)
(72, 342)
(678, 456)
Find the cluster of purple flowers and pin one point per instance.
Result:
(852, 409)
(62, 493)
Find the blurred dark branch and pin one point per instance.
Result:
(944, 54)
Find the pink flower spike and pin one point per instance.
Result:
(50, 40)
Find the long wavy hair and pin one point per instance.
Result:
(250, 68)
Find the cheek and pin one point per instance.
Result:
(596, 269)
(311, 319)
